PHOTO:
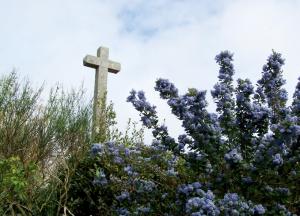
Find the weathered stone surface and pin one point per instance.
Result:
(102, 65)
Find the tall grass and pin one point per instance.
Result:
(39, 140)
(38, 132)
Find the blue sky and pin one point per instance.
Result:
(175, 39)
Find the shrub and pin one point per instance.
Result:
(17, 185)
(241, 160)
(36, 131)
(35, 138)
(249, 148)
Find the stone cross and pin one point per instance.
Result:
(102, 65)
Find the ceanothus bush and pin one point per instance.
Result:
(251, 143)
(244, 159)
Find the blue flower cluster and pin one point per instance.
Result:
(277, 160)
(233, 157)
(150, 119)
(270, 86)
(148, 112)
(223, 94)
(196, 200)
(224, 59)
(201, 206)
(199, 202)
(232, 204)
(123, 196)
(244, 159)
(203, 132)
(143, 186)
(296, 101)
(251, 118)
(251, 133)
(100, 178)
(166, 89)
(248, 113)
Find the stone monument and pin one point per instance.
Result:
(102, 65)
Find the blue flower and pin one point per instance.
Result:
(197, 214)
(282, 191)
(277, 160)
(232, 204)
(142, 210)
(197, 204)
(224, 59)
(193, 203)
(97, 148)
(258, 209)
(247, 180)
(100, 179)
(127, 152)
(270, 86)
(129, 170)
(166, 89)
(132, 97)
(123, 212)
(118, 160)
(141, 96)
(196, 185)
(148, 112)
(231, 198)
(233, 157)
(296, 101)
(123, 196)
(144, 186)
(146, 121)
(223, 93)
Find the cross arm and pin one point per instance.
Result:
(114, 67)
(95, 62)
(91, 61)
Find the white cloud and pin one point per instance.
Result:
(46, 40)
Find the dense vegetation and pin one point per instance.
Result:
(43, 142)
(242, 160)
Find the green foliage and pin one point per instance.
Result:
(86, 196)
(17, 186)
(44, 146)
(75, 187)
(108, 130)
(18, 112)
(34, 131)
(35, 138)
(242, 160)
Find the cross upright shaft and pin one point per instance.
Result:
(102, 65)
